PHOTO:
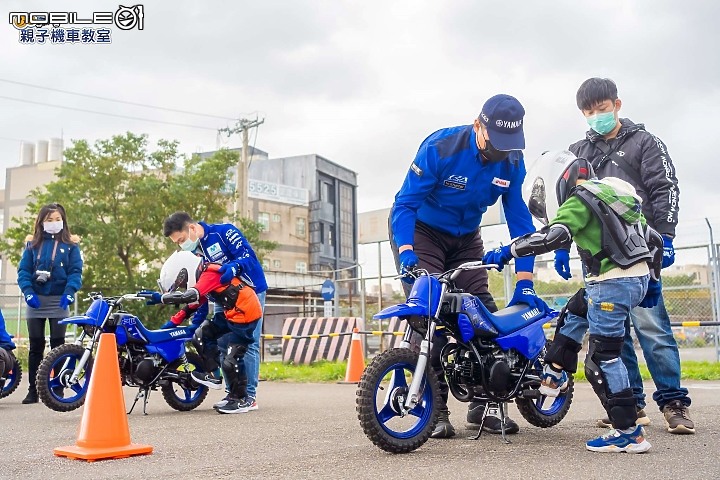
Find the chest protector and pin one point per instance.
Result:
(624, 244)
(239, 301)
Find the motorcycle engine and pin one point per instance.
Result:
(464, 371)
(139, 368)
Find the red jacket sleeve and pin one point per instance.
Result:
(208, 281)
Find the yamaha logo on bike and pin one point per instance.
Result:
(177, 333)
(531, 314)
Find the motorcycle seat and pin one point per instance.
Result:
(159, 336)
(513, 318)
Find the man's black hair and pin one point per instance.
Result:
(177, 222)
(595, 90)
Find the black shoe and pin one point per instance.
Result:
(207, 379)
(32, 397)
(235, 406)
(492, 423)
(444, 428)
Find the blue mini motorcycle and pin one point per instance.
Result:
(487, 357)
(149, 359)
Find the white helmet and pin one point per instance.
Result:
(179, 271)
(540, 184)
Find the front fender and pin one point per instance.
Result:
(402, 310)
(78, 320)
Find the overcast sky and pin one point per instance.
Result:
(363, 83)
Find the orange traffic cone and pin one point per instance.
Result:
(356, 360)
(104, 431)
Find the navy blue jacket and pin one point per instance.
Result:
(449, 187)
(65, 270)
(223, 243)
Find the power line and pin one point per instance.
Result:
(107, 99)
(106, 113)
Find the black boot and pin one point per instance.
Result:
(32, 396)
(444, 428)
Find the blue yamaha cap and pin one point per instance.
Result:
(503, 115)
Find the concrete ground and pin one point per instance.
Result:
(312, 431)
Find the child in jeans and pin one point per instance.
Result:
(618, 250)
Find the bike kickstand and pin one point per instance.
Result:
(503, 418)
(482, 422)
(143, 393)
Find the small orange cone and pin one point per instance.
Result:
(104, 431)
(356, 360)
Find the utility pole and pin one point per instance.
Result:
(241, 182)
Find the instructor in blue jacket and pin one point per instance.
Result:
(457, 174)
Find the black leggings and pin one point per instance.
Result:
(36, 333)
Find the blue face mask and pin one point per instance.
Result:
(602, 123)
(189, 245)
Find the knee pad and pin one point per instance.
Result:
(563, 351)
(602, 349)
(234, 353)
(577, 304)
(622, 409)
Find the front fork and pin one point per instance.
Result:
(84, 359)
(413, 396)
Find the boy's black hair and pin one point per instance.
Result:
(595, 90)
(177, 222)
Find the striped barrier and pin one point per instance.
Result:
(316, 338)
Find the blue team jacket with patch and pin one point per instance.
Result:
(448, 187)
(223, 243)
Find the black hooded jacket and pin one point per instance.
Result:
(640, 158)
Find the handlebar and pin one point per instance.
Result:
(452, 274)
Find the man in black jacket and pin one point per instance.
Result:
(617, 147)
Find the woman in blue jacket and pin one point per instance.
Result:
(49, 275)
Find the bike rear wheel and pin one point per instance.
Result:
(185, 395)
(381, 393)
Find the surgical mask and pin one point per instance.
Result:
(492, 154)
(53, 227)
(602, 123)
(189, 245)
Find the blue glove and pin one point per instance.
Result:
(227, 272)
(408, 261)
(66, 300)
(562, 263)
(499, 256)
(524, 293)
(168, 324)
(652, 297)
(153, 297)
(32, 300)
(668, 252)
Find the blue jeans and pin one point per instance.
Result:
(609, 304)
(652, 328)
(252, 357)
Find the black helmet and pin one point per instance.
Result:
(579, 169)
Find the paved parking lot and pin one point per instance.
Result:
(311, 431)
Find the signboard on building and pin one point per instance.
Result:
(278, 193)
(373, 225)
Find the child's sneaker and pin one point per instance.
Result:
(222, 402)
(553, 381)
(253, 403)
(235, 406)
(207, 379)
(616, 441)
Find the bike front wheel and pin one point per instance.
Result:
(12, 379)
(54, 385)
(381, 394)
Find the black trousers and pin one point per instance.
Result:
(36, 334)
(438, 252)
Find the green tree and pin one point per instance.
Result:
(117, 193)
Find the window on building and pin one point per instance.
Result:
(347, 214)
(300, 227)
(327, 192)
(264, 220)
(266, 264)
(276, 218)
(276, 263)
(300, 267)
